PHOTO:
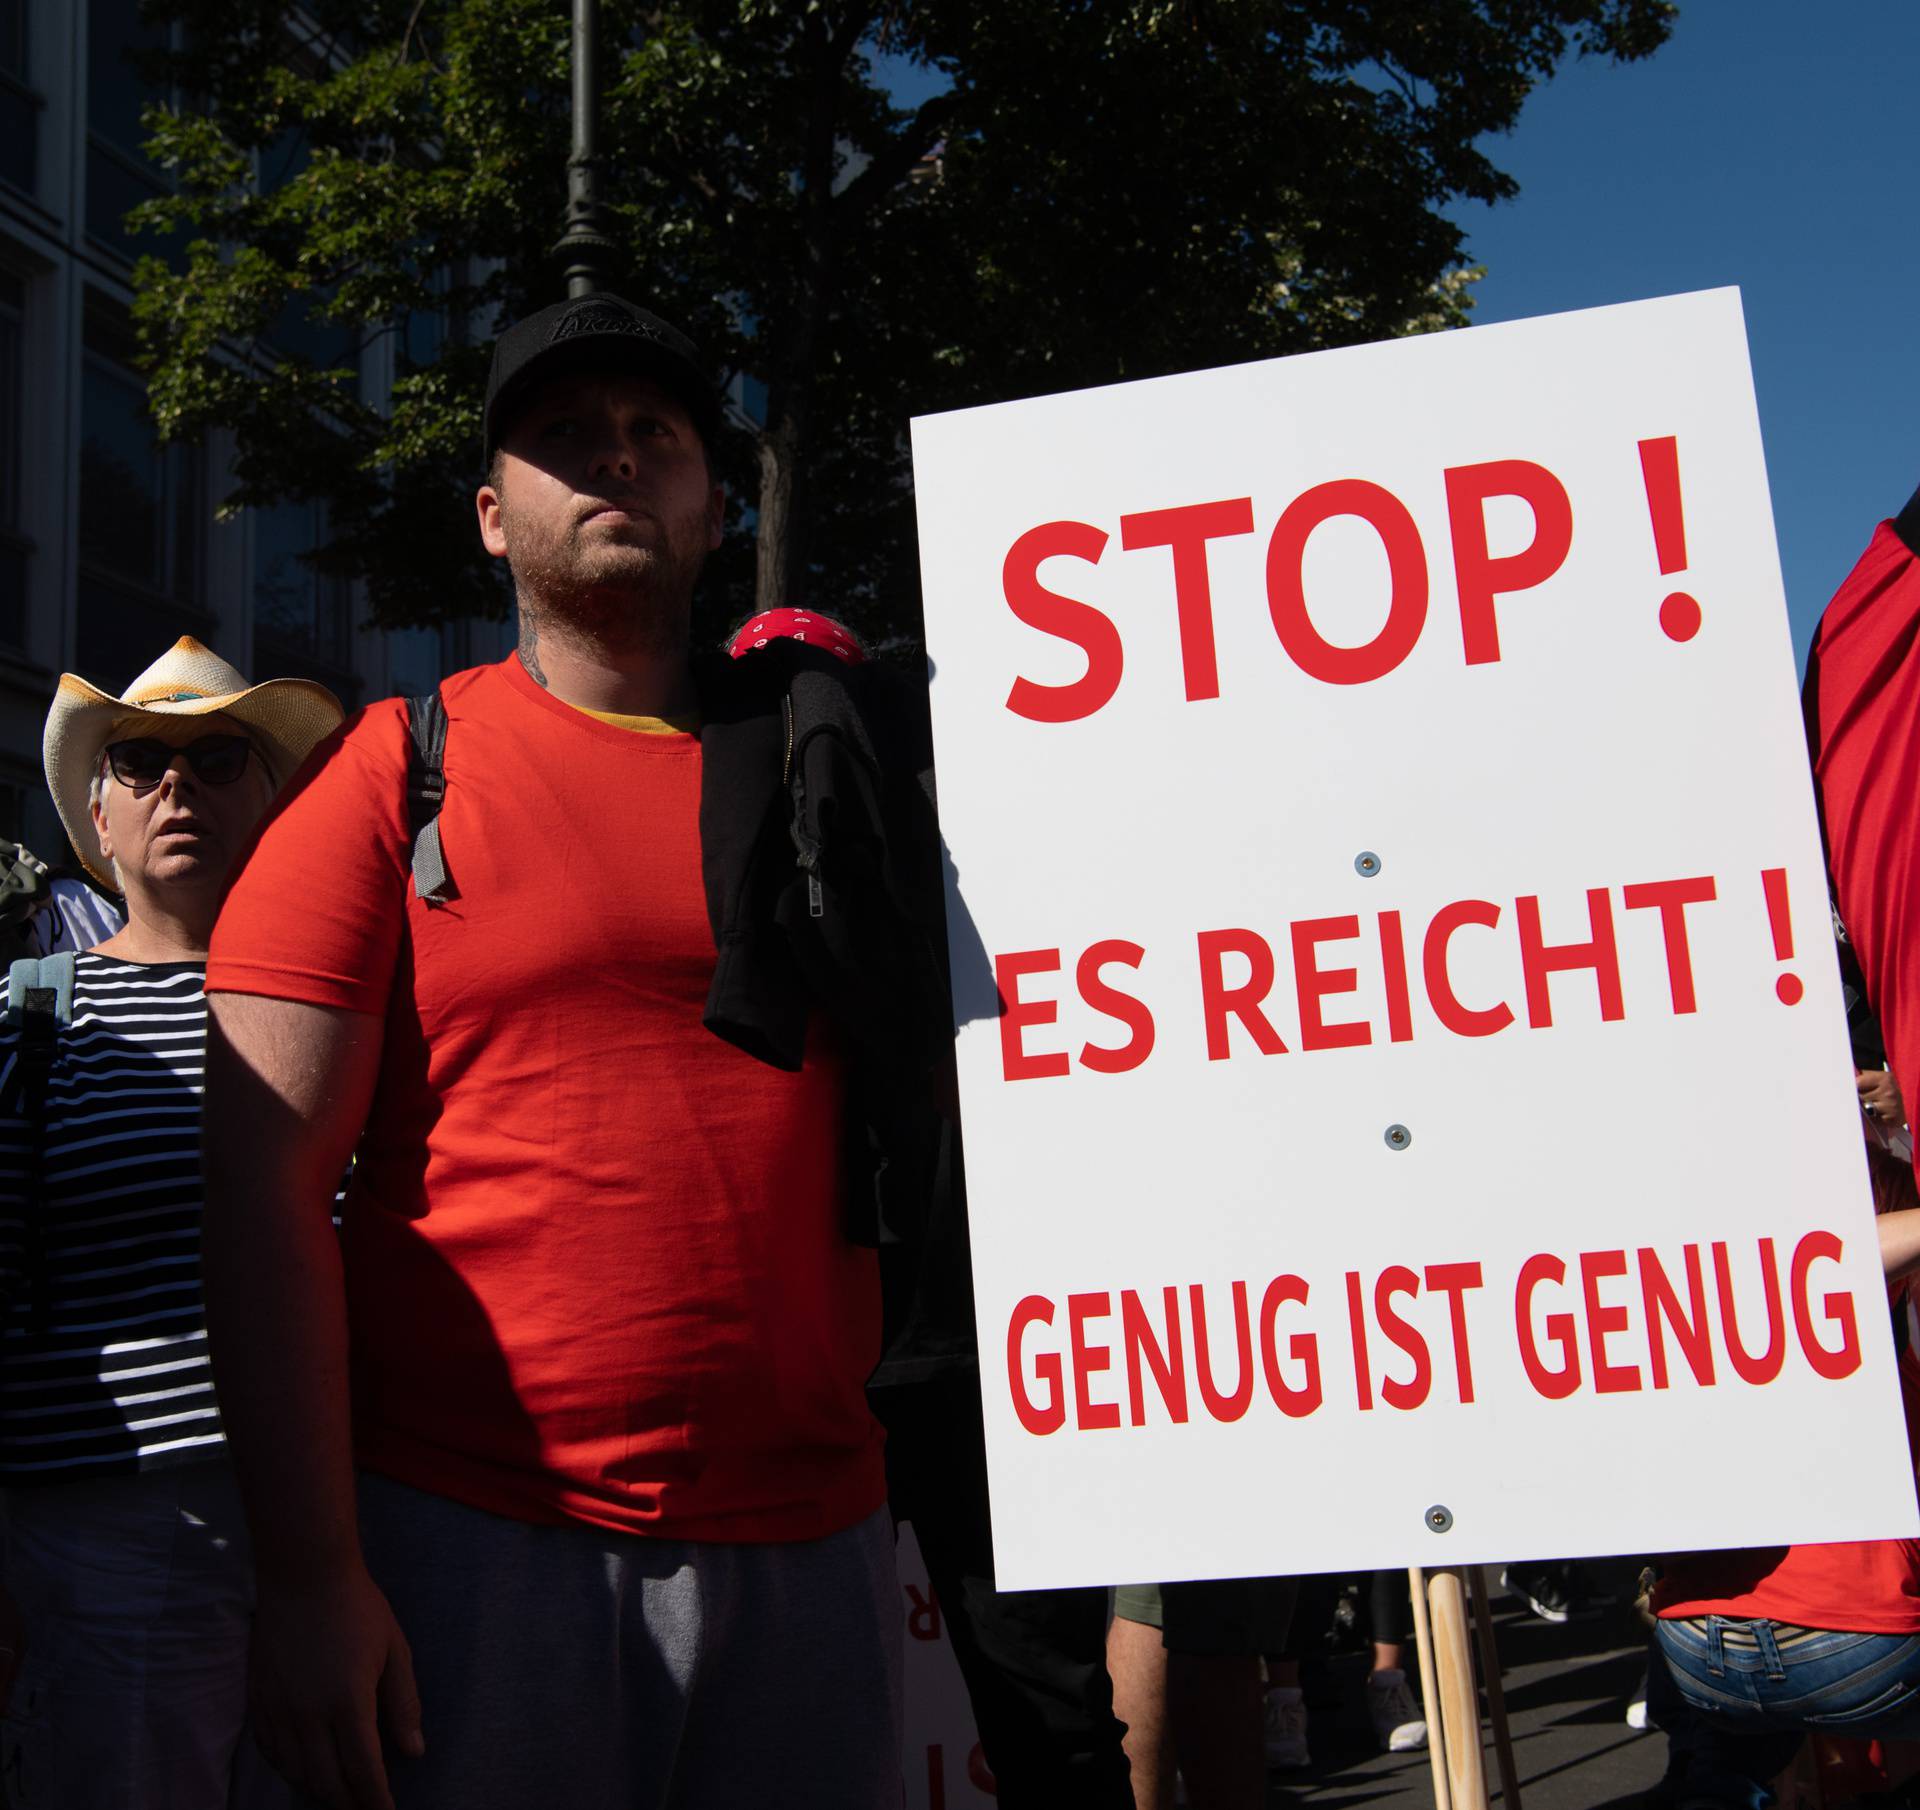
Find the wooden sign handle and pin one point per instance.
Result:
(1429, 1688)
(1459, 1695)
(1496, 1695)
(1444, 1601)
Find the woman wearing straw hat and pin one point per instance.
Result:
(126, 1558)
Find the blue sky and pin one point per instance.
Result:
(1771, 144)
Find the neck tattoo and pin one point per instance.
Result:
(530, 648)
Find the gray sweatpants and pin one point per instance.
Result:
(569, 1665)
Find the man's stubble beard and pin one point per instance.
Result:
(615, 594)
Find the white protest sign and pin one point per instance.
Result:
(941, 1765)
(1374, 784)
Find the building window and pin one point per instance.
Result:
(142, 510)
(15, 548)
(417, 660)
(119, 177)
(302, 619)
(19, 104)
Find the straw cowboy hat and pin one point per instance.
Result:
(283, 718)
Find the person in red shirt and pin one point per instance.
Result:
(592, 1331)
(1863, 724)
(1754, 1649)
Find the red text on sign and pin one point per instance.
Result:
(1188, 531)
(1236, 974)
(1608, 1322)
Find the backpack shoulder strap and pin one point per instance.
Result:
(39, 1007)
(40, 993)
(426, 791)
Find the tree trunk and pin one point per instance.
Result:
(775, 569)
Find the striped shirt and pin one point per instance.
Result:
(116, 1378)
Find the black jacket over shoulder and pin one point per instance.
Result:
(821, 859)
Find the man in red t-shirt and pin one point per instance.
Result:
(1755, 1649)
(591, 1331)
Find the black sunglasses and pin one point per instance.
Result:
(216, 760)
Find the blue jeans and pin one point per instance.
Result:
(1736, 1698)
(136, 1595)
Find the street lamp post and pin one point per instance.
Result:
(585, 244)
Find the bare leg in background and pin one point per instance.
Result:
(1137, 1660)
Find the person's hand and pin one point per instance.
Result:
(13, 1646)
(328, 1670)
(1880, 1096)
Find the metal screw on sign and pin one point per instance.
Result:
(1439, 1517)
(1366, 864)
(1398, 1137)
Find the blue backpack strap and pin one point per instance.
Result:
(426, 791)
(39, 1008)
(40, 991)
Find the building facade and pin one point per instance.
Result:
(108, 544)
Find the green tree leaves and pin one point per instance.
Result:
(1075, 193)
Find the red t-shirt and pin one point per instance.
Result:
(1850, 1586)
(594, 1263)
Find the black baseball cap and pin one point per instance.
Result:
(599, 333)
